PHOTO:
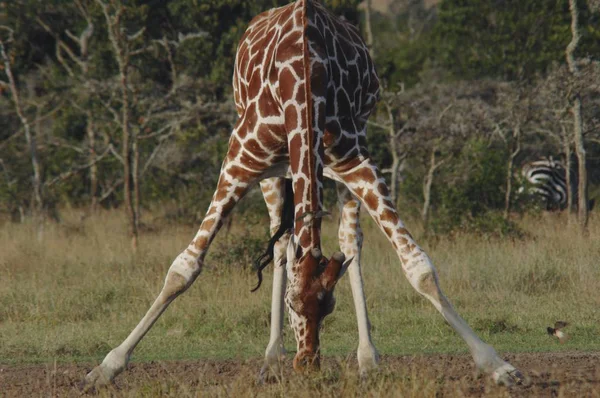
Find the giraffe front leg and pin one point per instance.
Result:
(180, 276)
(273, 192)
(232, 186)
(364, 181)
(350, 240)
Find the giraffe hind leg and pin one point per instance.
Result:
(350, 241)
(365, 182)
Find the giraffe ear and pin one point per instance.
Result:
(345, 266)
(332, 271)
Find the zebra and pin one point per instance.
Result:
(546, 179)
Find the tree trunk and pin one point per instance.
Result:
(92, 158)
(516, 148)
(127, 162)
(135, 174)
(120, 44)
(568, 166)
(394, 177)
(41, 210)
(582, 186)
(369, 28)
(427, 189)
(29, 137)
(582, 189)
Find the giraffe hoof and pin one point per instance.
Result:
(269, 374)
(368, 359)
(94, 380)
(102, 375)
(507, 375)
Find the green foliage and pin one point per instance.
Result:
(242, 251)
(225, 22)
(415, 43)
(400, 52)
(510, 40)
(469, 194)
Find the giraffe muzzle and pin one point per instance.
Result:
(307, 361)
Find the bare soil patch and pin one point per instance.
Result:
(575, 374)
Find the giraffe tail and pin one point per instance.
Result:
(287, 223)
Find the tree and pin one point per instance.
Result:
(399, 133)
(582, 75)
(508, 40)
(79, 58)
(582, 189)
(511, 115)
(30, 138)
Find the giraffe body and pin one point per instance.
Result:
(304, 86)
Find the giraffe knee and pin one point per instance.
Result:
(428, 286)
(174, 285)
(182, 274)
(422, 275)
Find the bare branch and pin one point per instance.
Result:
(401, 131)
(110, 190)
(114, 152)
(165, 44)
(136, 35)
(61, 44)
(595, 140)
(57, 142)
(11, 33)
(190, 36)
(155, 152)
(71, 35)
(76, 169)
(575, 36)
(446, 109)
(12, 137)
(378, 125)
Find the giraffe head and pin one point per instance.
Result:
(310, 299)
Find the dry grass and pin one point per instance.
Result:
(79, 292)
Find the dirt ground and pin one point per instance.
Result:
(575, 374)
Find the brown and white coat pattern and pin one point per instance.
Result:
(304, 87)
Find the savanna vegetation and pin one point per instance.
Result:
(72, 298)
(115, 117)
(127, 105)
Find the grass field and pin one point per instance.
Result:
(78, 293)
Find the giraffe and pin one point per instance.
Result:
(350, 242)
(304, 86)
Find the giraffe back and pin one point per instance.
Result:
(268, 48)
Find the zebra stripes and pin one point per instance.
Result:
(547, 180)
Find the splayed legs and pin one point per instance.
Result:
(365, 182)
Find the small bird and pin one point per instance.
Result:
(556, 331)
